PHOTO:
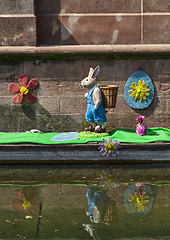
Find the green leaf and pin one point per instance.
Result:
(27, 217)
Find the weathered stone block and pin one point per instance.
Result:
(88, 6)
(60, 88)
(165, 87)
(6, 105)
(56, 70)
(10, 70)
(160, 119)
(48, 104)
(43, 106)
(17, 30)
(4, 89)
(48, 30)
(157, 29)
(7, 125)
(100, 6)
(74, 104)
(156, 6)
(120, 121)
(122, 106)
(47, 88)
(59, 123)
(17, 7)
(163, 67)
(118, 70)
(100, 29)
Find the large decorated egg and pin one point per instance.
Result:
(139, 90)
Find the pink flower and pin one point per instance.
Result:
(140, 119)
(141, 129)
(25, 89)
(140, 192)
(140, 189)
(140, 184)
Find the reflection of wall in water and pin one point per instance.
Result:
(66, 205)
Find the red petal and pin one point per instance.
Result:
(13, 88)
(18, 98)
(31, 98)
(33, 83)
(23, 79)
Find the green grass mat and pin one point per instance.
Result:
(121, 135)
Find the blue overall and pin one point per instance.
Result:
(95, 198)
(92, 114)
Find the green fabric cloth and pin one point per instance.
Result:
(121, 135)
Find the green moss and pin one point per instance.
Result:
(88, 134)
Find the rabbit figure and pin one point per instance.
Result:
(95, 113)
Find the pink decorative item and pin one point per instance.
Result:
(140, 184)
(141, 127)
(25, 89)
(140, 188)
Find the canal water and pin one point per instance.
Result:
(85, 202)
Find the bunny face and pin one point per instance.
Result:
(90, 81)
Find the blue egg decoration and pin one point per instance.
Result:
(134, 80)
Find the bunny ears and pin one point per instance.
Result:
(94, 72)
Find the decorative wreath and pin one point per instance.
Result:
(139, 90)
(138, 199)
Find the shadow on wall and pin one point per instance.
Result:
(67, 37)
(24, 117)
(50, 30)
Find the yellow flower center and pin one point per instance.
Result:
(24, 90)
(110, 145)
(139, 90)
(26, 204)
(138, 202)
(109, 148)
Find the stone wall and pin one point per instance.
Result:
(102, 22)
(17, 23)
(118, 37)
(61, 104)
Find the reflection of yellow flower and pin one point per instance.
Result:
(139, 90)
(26, 204)
(109, 179)
(26, 200)
(138, 202)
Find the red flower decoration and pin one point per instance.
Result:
(25, 89)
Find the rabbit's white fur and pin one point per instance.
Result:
(89, 82)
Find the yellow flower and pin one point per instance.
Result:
(139, 90)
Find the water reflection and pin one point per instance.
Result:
(109, 179)
(101, 206)
(138, 199)
(26, 200)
